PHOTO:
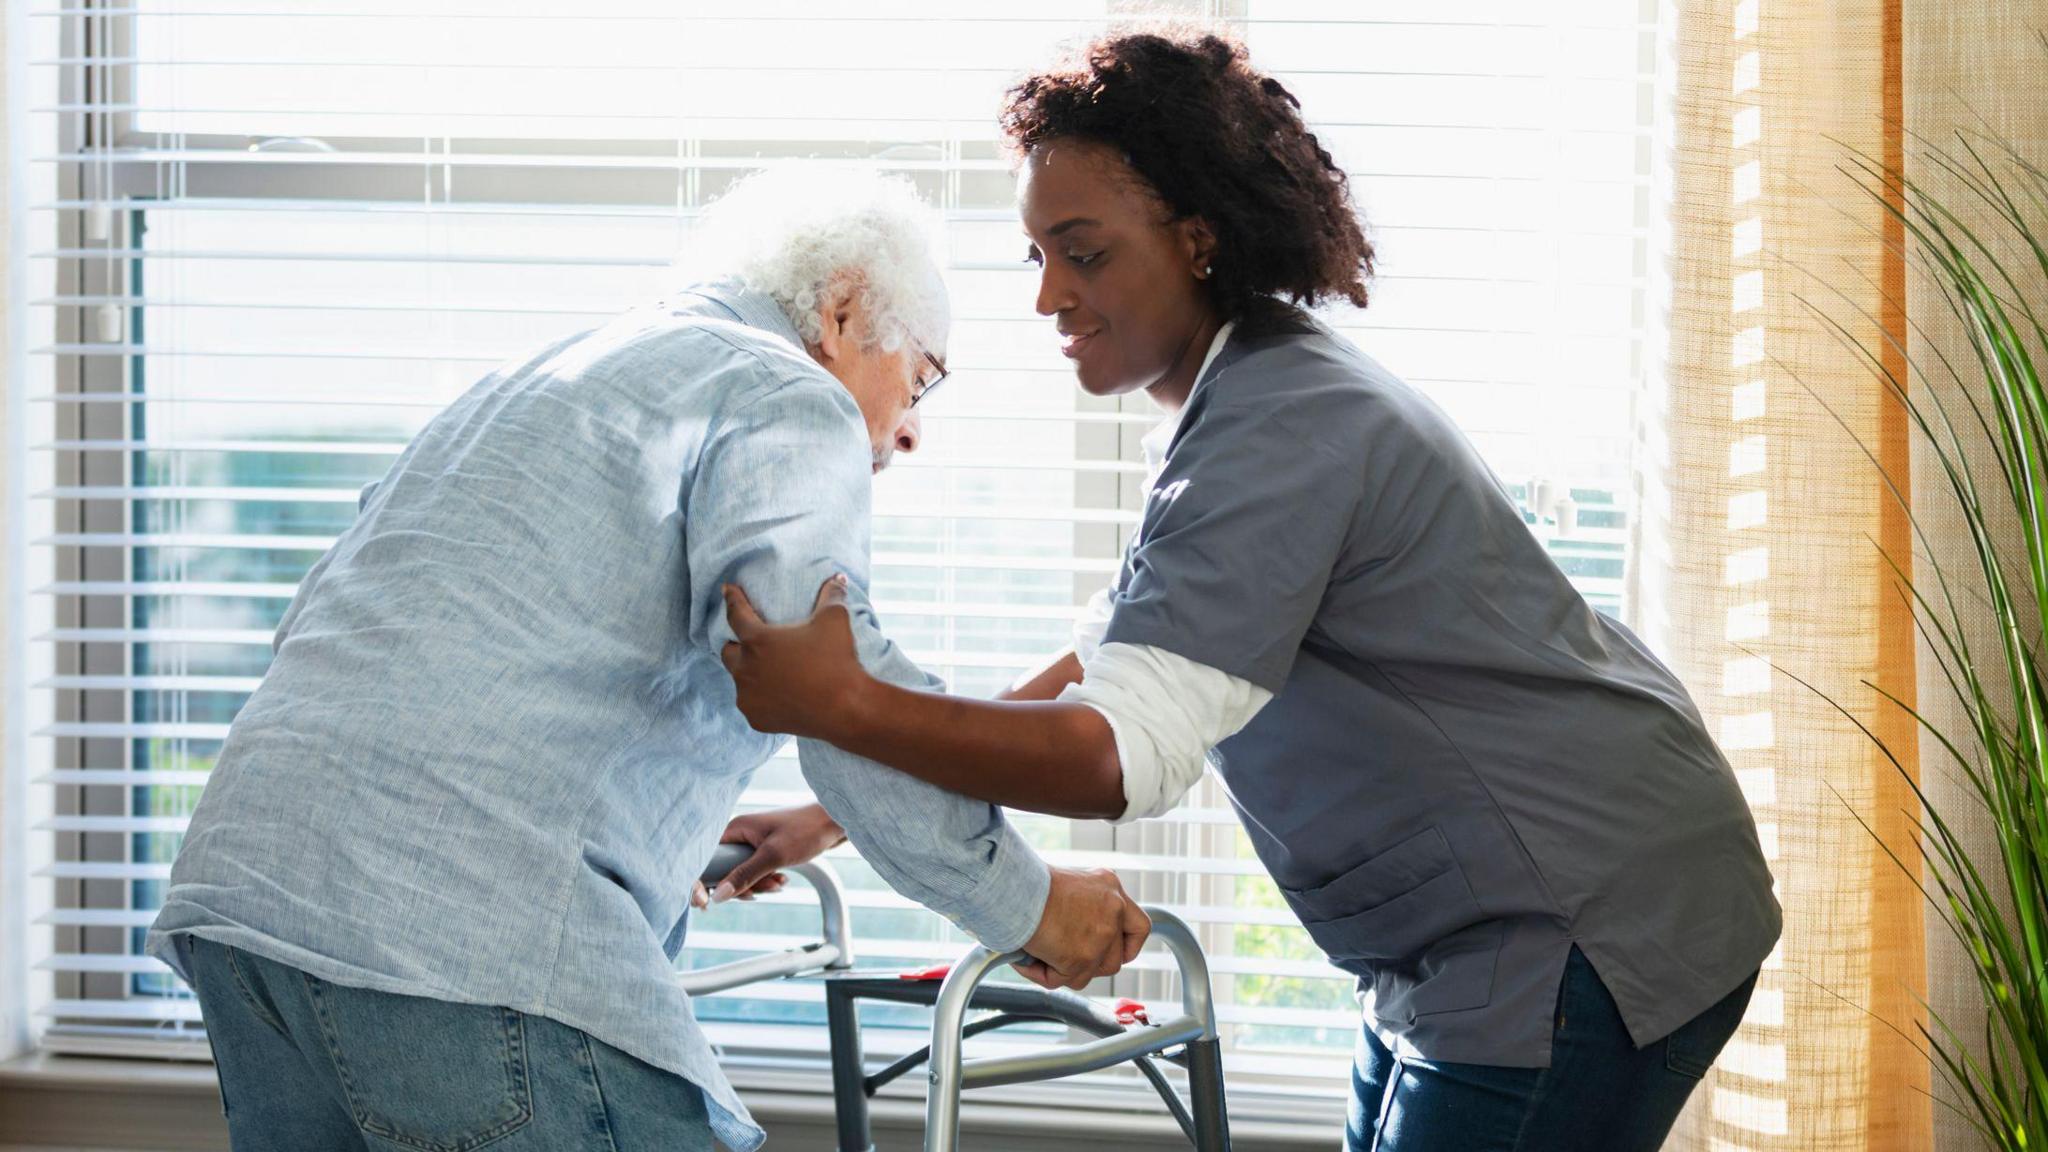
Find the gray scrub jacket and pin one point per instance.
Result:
(1465, 770)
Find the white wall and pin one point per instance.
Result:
(13, 881)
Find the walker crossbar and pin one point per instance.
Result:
(1117, 1038)
(1195, 1028)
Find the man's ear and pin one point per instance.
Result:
(835, 318)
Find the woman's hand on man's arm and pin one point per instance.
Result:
(805, 679)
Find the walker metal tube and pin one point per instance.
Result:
(949, 1074)
(833, 950)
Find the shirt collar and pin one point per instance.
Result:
(1160, 438)
(753, 308)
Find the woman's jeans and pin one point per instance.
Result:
(306, 1065)
(1601, 1093)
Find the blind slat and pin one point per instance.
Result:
(351, 495)
(944, 71)
(1013, 269)
(964, 17)
(323, 543)
(975, 125)
(1423, 19)
(77, 871)
(327, 399)
(211, 589)
(257, 638)
(153, 1008)
(701, 940)
(121, 777)
(587, 161)
(238, 684)
(458, 209)
(100, 962)
(681, 165)
(943, 610)
(437, 356)
(298, 447)
(912, 462)
(1128, 862)
(156, 635)
(113, 730)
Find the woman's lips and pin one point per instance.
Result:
(1072, 348)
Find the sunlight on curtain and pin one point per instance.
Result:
(1775, 522)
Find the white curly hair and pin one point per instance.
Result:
(800, 233)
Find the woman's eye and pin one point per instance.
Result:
(1083, 259)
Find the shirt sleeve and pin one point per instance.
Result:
(1238, 542)
(780, 501)
(1091, 623)
(1166, 712)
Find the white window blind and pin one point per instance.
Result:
(268, 241)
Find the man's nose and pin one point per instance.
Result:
(909, 432)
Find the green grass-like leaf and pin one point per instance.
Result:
(1996, 907)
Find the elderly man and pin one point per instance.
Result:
(433, 892)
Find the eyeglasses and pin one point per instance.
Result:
(919, 389)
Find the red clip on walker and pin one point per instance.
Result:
(1127, 1011)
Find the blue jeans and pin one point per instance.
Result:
(1600, 1094)
(306, 1065)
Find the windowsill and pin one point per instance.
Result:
(785, 1102)
(75, 1073)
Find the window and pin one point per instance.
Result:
(268, 241)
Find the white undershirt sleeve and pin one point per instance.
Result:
(1091, 624)
(1166, 712)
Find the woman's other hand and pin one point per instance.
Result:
(781, 838)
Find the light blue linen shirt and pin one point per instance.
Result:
(496, 746)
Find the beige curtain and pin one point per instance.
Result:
(1775, 523)
(1776, 518)
(1974, 67)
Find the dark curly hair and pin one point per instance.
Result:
(1214, 138)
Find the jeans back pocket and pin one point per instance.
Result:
(426, 1074)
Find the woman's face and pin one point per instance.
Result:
(1120, 278)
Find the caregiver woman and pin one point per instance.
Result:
(1486, 800)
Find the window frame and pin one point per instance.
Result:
(87, 374)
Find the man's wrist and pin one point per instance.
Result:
(1045, 908)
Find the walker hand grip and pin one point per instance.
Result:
(833, 950)
(1196, 1022)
